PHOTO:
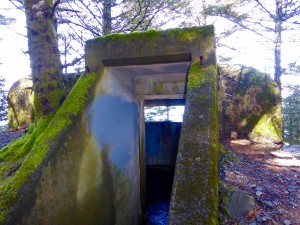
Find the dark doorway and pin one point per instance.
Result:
(162, 132)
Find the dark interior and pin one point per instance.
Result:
(162, 138)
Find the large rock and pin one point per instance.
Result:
(250, 103)
(240, 203)
(20, 103)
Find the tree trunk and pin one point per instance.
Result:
(106, 19)
(44, 57)
(277, 50)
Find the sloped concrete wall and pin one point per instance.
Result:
(91, 176)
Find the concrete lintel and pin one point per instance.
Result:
(154, 97)
(148, 60)
(161, 84)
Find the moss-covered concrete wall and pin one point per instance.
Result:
(250, 104)
(152, 47)
(195, 189)
(82, 165)
(91, 175)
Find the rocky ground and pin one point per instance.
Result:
(270, 175)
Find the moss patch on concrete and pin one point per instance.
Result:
(186, 34)
(22, 157)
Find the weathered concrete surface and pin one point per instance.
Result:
(90, 176)
(175, 45)
(195, 190)
(161, 84)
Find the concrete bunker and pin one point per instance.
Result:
(95, 170)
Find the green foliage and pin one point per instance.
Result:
(291, 116)
(3, 100)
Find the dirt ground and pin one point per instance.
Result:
(269, 174)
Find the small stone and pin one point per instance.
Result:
(268, 203)
(287, 222)
(253, 223)
(237, 172)
(264, 219)
(258, 193)
(267, 216)
(286, 192)
(243, 222)
(258, 188)
(252, 185)
(258, 218)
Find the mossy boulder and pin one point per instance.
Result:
(20, 98)
(20, 103)
(250, 102)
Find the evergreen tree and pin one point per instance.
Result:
(3, 100)
(291, 116)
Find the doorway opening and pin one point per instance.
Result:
(163, 119)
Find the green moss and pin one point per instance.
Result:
(199, 74)
(158, 87)
(199, 77)
(269, 125)
(186, 34)
(175, 89)
(211, 74)
(31, 149)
